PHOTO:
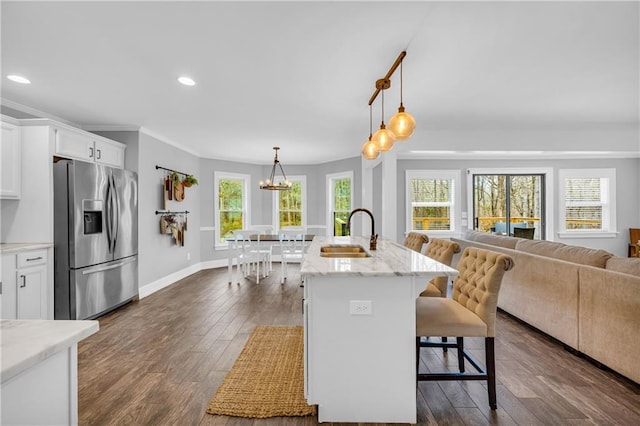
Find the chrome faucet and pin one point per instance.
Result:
(374, 237)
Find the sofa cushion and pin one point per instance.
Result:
(626, 265)
(494, 240)
(574, 254)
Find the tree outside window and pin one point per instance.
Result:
(290, 206)
(231, 205)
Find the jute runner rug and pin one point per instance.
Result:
(267, 379)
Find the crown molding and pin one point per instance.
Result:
(168, 141)
(515, 155)
(110, 128)
(35, 112)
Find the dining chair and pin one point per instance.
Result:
(265, 247)
(471, 312)
(527, 233)
(291, 249)
(249, 255)
(415, 241)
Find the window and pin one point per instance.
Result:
(290, 205)
(339, 201)
(433, 201)
(587, 202)
(231, 205)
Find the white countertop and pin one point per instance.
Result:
(25, 343)
(390, 259)
(16, 247)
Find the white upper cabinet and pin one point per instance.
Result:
(10, 156)
(84, 146)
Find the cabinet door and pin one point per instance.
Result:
(109, 154)
(70, 144)
(31, 292)
(9, 286)
(10, 156)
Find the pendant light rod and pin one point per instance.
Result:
(395, 65)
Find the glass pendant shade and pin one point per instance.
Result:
(402, 124)
(383, 139)
(370, 150)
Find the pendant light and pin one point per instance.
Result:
(369, 148)
(402, 124)
(383, 138)
(273, 183)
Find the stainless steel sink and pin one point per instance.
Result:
(347, 250)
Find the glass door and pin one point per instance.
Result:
(509, 205)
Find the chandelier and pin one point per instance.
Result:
(274, 183)
(401, 125)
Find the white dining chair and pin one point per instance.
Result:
(249, 255)
(265, 247)
(291, 249)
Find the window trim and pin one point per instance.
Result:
(276, 202)
(330, 178)
(609, 230)
(456, 200)
(246, 202)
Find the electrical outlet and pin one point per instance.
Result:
(188, 256)
(360, 307)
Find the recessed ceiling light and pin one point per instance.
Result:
(186, 81)
(18, 79)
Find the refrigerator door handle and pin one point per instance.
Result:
(116, 216)
(102, 268)
(107, 211)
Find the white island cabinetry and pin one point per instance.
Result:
(39, 371)
(359, 320)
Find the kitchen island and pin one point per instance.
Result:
(359, 322)
(39, 370)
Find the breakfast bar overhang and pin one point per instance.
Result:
(359, 322)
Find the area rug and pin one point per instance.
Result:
(267, 379)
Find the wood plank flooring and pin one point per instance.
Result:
(160, 360)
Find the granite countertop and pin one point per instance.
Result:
(16, 247)
(390, 259)
(25, 343)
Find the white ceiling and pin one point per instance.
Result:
(300, 74)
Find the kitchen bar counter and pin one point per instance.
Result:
(17, 247)
(390, 259)
(360, 331)
(39, 370)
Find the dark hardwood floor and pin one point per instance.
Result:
(160, 360)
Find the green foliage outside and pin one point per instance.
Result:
(430, 201)
(230, 206)
(342, 205)
(290, 206)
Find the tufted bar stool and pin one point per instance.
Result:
(442, 251)
(415, 241)
(471, 312)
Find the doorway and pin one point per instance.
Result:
(510, 204)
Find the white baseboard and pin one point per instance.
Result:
(154, 286)
(170, 279)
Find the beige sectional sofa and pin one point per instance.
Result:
(586, 298)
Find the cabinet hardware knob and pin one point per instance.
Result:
(24, 281)
(31, 259)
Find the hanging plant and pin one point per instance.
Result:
(175, 177)
(189, 180)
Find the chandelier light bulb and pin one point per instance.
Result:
(402, 124)
(383, 139)
(370, 150)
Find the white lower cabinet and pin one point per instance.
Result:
(25, 285)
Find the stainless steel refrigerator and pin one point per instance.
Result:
(95, 238)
